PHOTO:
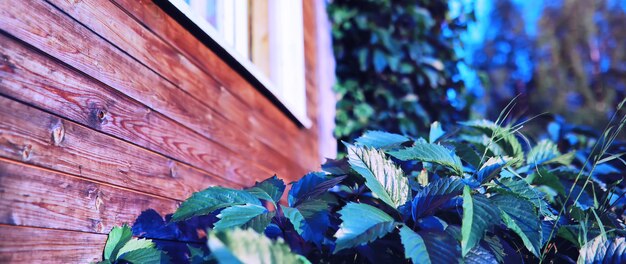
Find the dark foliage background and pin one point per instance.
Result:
(396, 66)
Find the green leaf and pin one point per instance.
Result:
(381, 140)
(544, 150)
(246, 246)
(211, 199)
(270, 189)
(522, 189)
(259, 222)
(414, 247)
(434, 153)
(467, 153)
(547, 178)
(386, 181)
(361, 224)
(143, 255)
(238, 215)
(601, 250)
(520, 216)
(116, 240)
(478, 215)
(135, 244)
(435, 132)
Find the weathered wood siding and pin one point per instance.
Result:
(110, 107)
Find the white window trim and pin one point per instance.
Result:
(287, 59)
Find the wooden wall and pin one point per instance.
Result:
(110, 107)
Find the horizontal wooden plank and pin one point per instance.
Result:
(43, 82)
(59, 36)
(113, 24)
(36, 137)
(38, 245)
(20, 244)
(264, 115)
(32, 196)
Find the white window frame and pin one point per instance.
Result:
(287, 67)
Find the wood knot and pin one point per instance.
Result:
(6, 65)
(27, 152)
(98, 116)
(58, 133)
(172, 165)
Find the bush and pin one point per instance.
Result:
(478, 194)
(396, 66)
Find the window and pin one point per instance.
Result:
(265, 36)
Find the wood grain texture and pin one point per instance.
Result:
(40, 81)
(35, 137)
(38, 245)
(113, 24)
(265, 116)
(31, 196)
(59, 36)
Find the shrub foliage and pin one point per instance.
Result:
(396, 66)
(479, 194)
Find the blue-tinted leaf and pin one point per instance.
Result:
(478, 215)
(381, 140)
(270, 189)
(211, 199)
(361, 224)
(386, 180)
(414, 246)
(310, 222)
(600, 250)
(435, 132)
(441, 247)
(491, 168)
(434, 195)
(433, 153)
(260, 222)
(432, 223)
(522, 189)
(310, 186)
(480, 255)
(520, 216)
(238, 215)
(380, 62)
(429, 246)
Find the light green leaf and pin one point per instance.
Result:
(434, 153)
(386, 181)
(381, 140)
(143, 256)
(246, 246)
(478, 215)
(520, 216)
(116, 240)
(211, 199)
(414, 247)
(135, 244)
(361, 224)
(237, 216)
